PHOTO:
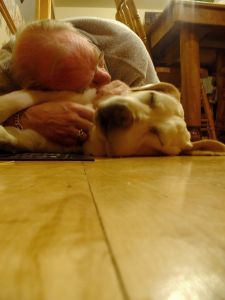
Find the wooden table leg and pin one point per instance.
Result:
(220, 86)
(190, 80)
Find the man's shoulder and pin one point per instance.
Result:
(100, 26)
(110, 35)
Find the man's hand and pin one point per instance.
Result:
(115, 87)
(59, 122)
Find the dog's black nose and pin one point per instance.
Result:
(114, 116)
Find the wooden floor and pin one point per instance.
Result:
(140, 228)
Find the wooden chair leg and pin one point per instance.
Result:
(209, 116)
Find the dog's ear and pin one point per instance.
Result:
(164, 87)
(206, 148)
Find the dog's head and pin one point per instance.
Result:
(146, 121)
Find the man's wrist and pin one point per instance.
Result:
(15, 121)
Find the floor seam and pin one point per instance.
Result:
(116, 267)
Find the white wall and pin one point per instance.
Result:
(68, 12)
(109, 13)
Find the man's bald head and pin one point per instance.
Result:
(53, 55)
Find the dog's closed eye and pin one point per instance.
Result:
(149, 99)
(156, 132)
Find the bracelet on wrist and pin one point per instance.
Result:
(17, 122)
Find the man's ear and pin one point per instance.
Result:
(206, 148)
(164, 87)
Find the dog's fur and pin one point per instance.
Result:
(146, 121)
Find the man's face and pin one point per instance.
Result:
(100, 74)
(84, 68)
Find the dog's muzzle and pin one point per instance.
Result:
(114, 116)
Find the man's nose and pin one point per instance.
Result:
(101, 77)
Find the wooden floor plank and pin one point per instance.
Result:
(51, 242)
(165, 221)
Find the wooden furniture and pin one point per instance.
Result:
(189, 33)
(7, 17)
(113, 229)
(220, 79)
(126, 12)
(207, 119)
(45, 9)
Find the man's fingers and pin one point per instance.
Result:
(83, 123)
(84, 111)
(76, 136)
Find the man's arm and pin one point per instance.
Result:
(16, 101)
(60, 119)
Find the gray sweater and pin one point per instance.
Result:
(126, 56)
